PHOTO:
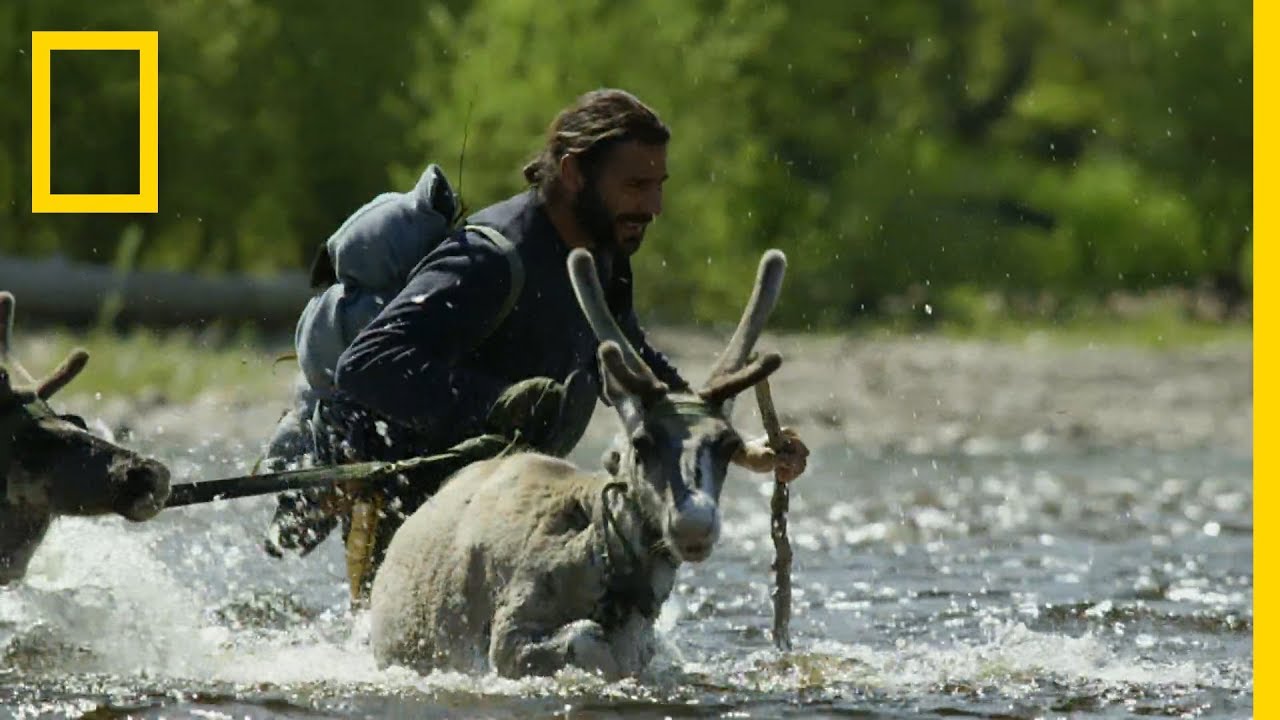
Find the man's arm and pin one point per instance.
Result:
(657, 361)
(621, 300)
(407, 364)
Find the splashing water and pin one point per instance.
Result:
(1007, 584)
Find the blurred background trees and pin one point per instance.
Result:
(918, 152)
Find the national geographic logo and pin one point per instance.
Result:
(147, 46)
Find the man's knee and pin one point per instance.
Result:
(290, 443)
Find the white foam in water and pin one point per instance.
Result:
(98, 585)
(1015, 653)
(1014, 656)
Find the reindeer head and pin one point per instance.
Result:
(51, 465)
(679, 443)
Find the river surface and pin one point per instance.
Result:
(1062, 570)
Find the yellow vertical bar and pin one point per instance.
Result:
(1265, 394)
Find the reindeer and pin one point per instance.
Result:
(50, 464)
(525, 564)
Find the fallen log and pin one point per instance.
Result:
(54, 289)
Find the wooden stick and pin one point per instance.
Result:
(778, 506)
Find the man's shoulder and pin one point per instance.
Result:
(519, 217)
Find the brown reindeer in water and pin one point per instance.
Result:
(526, 564)
(50, 464)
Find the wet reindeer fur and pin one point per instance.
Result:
(50, 465)
(527, 564)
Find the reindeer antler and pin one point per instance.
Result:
(764, 295)
(719, 388)
(645, 386)
(6, 323)
(63, 374)
(56, 380)
(586, 286)
(8, 305)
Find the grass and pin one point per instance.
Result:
(173, 366)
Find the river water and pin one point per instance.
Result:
(1000, 575)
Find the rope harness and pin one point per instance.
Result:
(629, 585)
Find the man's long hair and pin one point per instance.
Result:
(595, 122)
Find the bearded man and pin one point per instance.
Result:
(479, 342)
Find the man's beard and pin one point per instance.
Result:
(594, 217)
(601, 225)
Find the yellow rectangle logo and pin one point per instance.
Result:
(146, 43)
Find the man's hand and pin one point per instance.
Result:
(789, 461)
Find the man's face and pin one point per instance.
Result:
(626, 196)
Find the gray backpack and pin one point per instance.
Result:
(367, 261)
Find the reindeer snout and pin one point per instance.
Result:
(695, 526)
(142, 488)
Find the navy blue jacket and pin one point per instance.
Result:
(423, 361)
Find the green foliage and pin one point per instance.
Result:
(910, 152)
(173, 366)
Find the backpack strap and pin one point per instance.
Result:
(517, 272)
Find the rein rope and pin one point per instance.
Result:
(611, 523)
(632, 587)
